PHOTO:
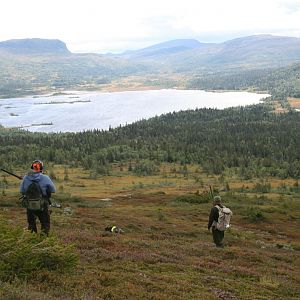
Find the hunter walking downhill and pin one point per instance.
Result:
(219, 221)
(36, 189)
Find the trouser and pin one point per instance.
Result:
(218, 237)
(44, 218)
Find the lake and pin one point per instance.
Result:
(79, 111)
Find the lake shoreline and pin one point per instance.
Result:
(74, 111)
(114, 89)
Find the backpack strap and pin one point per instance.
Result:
(219, 207)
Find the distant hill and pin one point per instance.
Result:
(261, 49)
(164, 49)
(34, 47)
(257, 51)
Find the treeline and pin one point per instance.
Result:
(250, 141)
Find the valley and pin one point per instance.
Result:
(152, 178)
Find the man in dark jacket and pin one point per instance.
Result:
(46, 187)
(218, 235)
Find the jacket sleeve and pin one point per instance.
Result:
(46, 185)
(50, 186)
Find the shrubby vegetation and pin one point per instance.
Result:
(23, 253)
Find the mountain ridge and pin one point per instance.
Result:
(167, 47)
(34, 46)
(258, 51)
(183, 47)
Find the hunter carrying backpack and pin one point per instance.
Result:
(224, 218)
(33, 198)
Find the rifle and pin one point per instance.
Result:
(19, 177)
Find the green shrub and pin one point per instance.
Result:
(194, 198)
(255, 215)
(23, 253)
(262, 187)
(146, 168)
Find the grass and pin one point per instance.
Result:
(166, 251)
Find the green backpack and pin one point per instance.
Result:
(33, 198)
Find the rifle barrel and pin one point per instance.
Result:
(19, 177)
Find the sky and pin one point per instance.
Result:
(119, 25)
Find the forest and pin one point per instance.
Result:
(248, 141)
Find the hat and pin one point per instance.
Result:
(217, 198)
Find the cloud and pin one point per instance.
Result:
(290, 6)
(117, 25)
